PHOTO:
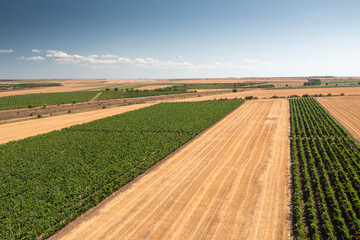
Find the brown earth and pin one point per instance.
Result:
(231, 182)
(346, 110)
(19, 130)
(71, 85)
(261, 93)
(11, 114)
(236, 80)
(152, 87)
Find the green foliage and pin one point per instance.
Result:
(41, 99)
(48, 180)
(312, 82)
(250, 97)
(130, 93)
(325, 174)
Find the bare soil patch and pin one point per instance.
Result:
(236, 80)
(346, 110)
(261, 93)
(19, 130)
(92, 105)
(232, 182)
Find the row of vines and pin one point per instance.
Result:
(139, 93)
(48, 180)
(325, 174)
(43, 99)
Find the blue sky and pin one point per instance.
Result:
(178, 38)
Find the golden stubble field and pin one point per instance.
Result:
(261, 93)
(231, 182)
(346, 110)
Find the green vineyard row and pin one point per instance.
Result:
(43, 99)
(48, 180)
(325, 174)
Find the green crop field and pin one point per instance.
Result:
(48, 180)
(138, 93)
(43, 99)
(325, 174)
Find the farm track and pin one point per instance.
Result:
(346, 110)
(20, 130)
(232, 182)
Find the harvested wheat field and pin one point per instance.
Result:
(261, 93)
(346, 110)
(20, 130)
(231, 182)
(236, 80)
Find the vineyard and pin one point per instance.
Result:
(43, 99)
(325, 174)
(50, 179)
(139, 93)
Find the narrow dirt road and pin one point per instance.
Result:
(20, 130)
(346, 110)
(232, 182)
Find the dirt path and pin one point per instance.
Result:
(229, 183)
(96, 96)
(19, 130)
(346, 110)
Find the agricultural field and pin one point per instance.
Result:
(229, 183)
(139, 93)
(23, 129)
(268, 93)
(50, 179)
(43, 99)
(325, 174)
(346, 110)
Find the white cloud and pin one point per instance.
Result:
(35, 50)
(6, 51)
(108, 56)
(251, 61)
(35, 58)
(114, 61)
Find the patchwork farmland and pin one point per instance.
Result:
(194, 168)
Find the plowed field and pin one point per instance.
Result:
(231, 182)
(346, 110)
